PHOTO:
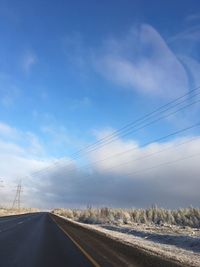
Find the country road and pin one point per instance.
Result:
(46, 240)
(36, 241)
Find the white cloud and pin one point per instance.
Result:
(140, 60)
(192, 67)
(33, 144)
(131, 157)
(143, 61)
(9, 148)
(109, 182)
(138, 177)
(15, 163)
(26, 140)
(7, 131)
(21, 154)
(143, 172)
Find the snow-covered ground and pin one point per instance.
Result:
(186, 238)
(9, 211)
(181, 244)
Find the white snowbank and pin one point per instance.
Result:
(182, 245)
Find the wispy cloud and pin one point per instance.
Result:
(24, 152)
(29, 60)
(20, 154)
(142, 61)
(9, 97)
(193, 17)
(79, 103)
(9, 91)
(78, 55)
(24, 139)
(192, 34)
(192, 67)
(8, 131)
(58, 135)
(74, 49)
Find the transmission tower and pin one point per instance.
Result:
(17, 199)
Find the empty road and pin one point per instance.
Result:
(35, 240)
(46, 240)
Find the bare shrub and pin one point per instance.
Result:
(154, 215)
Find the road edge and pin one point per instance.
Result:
(128, 249)
(86, 254)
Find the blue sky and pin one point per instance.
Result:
(72, 71)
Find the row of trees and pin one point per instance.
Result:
(154, 215)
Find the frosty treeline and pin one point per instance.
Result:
(154, 215)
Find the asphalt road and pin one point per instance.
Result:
(108, 252)
(46, 240)
(35, 240)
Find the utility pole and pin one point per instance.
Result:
(17, 199)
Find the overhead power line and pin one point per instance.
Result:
(144, 117)
(133, 130)
(151, 154)
(147, 124)
(116, 155)
(130, 128)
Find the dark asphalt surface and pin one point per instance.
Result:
(35, 240)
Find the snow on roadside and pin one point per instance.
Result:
(184, 249)
(9, 212)
(183, 238)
